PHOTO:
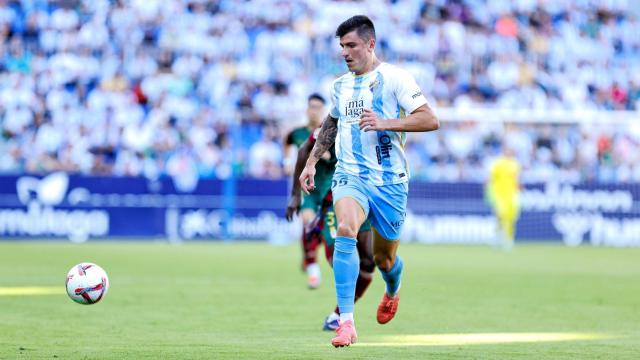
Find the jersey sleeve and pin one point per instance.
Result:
(334, 112)
(289, 139)
(408, 92)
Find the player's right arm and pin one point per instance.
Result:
(326, 138)
(296, 198)
(288, 150)
(489, 193)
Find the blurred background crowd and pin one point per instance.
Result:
(203, 89)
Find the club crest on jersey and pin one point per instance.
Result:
(374, 84)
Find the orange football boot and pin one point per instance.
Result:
(387, 308)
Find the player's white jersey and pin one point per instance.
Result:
(375, 156)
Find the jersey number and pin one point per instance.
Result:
(339, 182)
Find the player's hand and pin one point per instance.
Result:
(307, 179)
(293, 207)
(369, 121)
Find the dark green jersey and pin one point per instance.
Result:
(324, 175)
(325, 167)
(298, 136)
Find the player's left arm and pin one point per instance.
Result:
(288, 145)
(489, 195)
(420, 120)
(519, 185)
(410, 98)
(296, 190)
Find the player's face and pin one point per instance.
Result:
(508, 151)
(357, 52)
(314, 112)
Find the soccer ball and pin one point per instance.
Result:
(87, 283)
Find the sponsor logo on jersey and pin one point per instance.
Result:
(383, 148)
(353, 110)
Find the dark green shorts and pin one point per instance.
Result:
(313, 200)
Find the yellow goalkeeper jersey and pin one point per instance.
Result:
(503, 178)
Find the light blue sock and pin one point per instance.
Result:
(392, 278)
(346, 266)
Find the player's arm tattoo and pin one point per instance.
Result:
(326, 137)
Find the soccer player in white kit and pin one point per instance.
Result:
(373, 105)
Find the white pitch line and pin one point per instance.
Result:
(31, 290)
(480, 339)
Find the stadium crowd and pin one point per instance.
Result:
(199, 89)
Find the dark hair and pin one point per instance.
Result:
(361, 24)
(316, 96)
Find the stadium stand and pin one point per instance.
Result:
(206, 89)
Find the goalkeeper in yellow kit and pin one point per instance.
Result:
(502, 191)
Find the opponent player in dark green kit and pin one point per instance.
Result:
(310, 204)
(323, 227)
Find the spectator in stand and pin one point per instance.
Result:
(79, 79)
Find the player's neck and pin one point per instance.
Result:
(375, 62)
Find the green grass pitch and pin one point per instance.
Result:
(249, 300)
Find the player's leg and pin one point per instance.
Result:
(346, 261)
(351, 207)
(501, 211)
(507, 216)
(365, 276)
(332, 321)
(387, 261)
(310, 241)
(388, 207)
(390, 265)
(328, 234)
(367, 264)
